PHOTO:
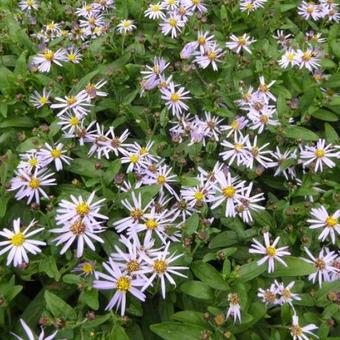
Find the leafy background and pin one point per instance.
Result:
(218, 255)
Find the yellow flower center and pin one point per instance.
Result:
(78, 228)
(286, 293)
(87, 268)
(319, 153)
(229, 192)
(269, 296)
(249, 6)
(82, 208)
(151, 224)
(88, 8)
(263, 88)
(74, 121)
(238, 147)
(48, 55)
(242, 41)
(133, 266)
(175, 97)
(199, 196)
(55, 153)
(271, 251)
(51, 26)
(172, 22)
(296, 330)
(92, 21)
(196, 2)
(235, 125)
(307, 56)
(264, 119)
(33, 162)
(161, 179)
(34, 183)
(171, 2)
(155, 8)
(71, 100)
(123, 284)
(134, 158)
(136, 214)
(160, 266)
(201, 40)
(29, 3)
(319, 264)
(43, 100)
(291, 56)
(310, 9)
(143, 151)
(212, 55)
(233, 299)
(156, 69)
(72, 57)
(331, 221)
(18, 239)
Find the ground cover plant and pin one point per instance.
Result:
(169, 169)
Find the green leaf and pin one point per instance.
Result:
(119, 333)
(189, 316)
(250, 271)
(23, 122)
(224, 239)
(58, 307)
(49, 266)
(191, 224)
(84, 167)
(325, 115)
(295, 267)
(330, 133)
(209, 275)
(298, 132)
(100, 319)
(176, 330)
(90, 298)
(197, 289)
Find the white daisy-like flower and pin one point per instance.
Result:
(234, 307)
(227, 190)
(92, 89)
(87, 10)
(260, 120)
(31, 160)
(79, 231)
(308, 59)
(173, 25)
(160, 265)
(30, 335)
(280, 157)
(114, 142)
(155, 11)
(78, 104)
(79, 209)
(54, 154)
(18, 243)
(198, 5)
(270, 251)
(329, 223)
(269, 296)
(235, 126)
(175, 98)
(28, 5)
(73, 55)
(31, 185)
(263, 90)
(126, 26)
(251, 5)
(170, 5)
(257, 154)
(237, 44)
(40, 100)
(320, 155)
(236, 150)
(119, 282)
(323, 266)
(198, 195)
(285, 293)
(52, 30)
(45, 59)
(152, 74)
(212, 55)
(309, 10)
(301, 333)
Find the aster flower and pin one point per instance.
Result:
(80, 210)
(329, 223)
(119, 282)
(236, 150)
(173, 25)
(40, 100)
(86, 268)
(308, 59)
(258, 154)
(175, 98)
(280, 157)
(170, 5)
(234, 307)
(237, 44)
(77, 104)
(31, 185)
(154, 11)
(289, 58)
(269, 296)
(323, 266)
(235, 126)
(320, 155)
(152, 73)
(29, 334)
(212, 56)
(160, 265)
(28, 5)
(270, 251)
(92, 89)
(301, 333)
(73, 55)
(285, 293)
(263, 90)
(309, 10)
(54, 154)
(52, 30)
(31, 160)
(45, 59)
(126, 26)
(78, 230)
(198, 195)
(198, 5)
(19, 243)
